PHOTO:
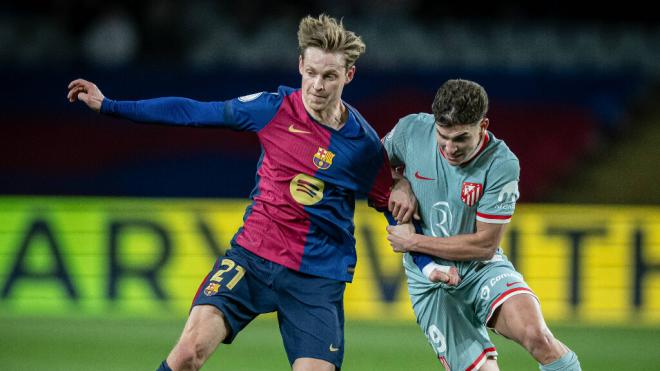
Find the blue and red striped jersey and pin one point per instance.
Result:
(307, 180)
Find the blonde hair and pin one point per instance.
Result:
(326, 33)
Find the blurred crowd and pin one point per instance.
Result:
(399, 33)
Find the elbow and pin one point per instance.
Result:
(486, 245)
(487, 252)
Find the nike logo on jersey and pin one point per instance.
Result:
(509, 284)
(333, 349)
(292, 129)
(418, 176)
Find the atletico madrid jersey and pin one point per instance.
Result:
(453, 198)
(307, 180)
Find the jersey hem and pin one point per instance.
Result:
(506, 296)
(488, 352)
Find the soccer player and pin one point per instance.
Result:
(296, 249)
(466, 183)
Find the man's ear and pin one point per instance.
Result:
(301, 64)
(350, 74)
(484, 124)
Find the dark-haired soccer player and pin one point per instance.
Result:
(466, 182)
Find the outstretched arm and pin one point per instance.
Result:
(480, 245)
(169, 110)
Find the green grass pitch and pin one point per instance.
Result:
(140, 344)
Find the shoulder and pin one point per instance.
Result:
(358, 116)
(501, 159)
(417, 121)
(277, 97)
(264, 99)
(285, 90)
(258, 108)
(413, 123)
(368, 130)
(500, 151)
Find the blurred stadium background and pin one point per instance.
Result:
(107, 227)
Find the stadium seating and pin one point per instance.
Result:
(550, 121)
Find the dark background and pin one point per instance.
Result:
(573, 90)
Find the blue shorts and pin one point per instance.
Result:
(310, 309)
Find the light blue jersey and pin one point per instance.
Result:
(451, 200)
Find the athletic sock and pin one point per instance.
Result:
(567, 362)
(164, 367)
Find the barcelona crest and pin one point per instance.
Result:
(323, 158)
(471, 193)
(211, 289)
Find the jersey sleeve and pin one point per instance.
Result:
(499, 200)
(381, 187)
(247, 113)
(252, 112)
(395, 143)
(421, 260)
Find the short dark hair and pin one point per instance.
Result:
(460, 102)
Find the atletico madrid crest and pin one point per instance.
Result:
(471, 193)
(323, 158)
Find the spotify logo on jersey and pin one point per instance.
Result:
(306, 189)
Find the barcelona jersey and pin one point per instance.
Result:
(308, 175)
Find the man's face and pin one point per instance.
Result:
(459, 142)
(324, 75)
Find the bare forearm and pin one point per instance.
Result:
(461, 247)
(402, 202)
(396, 174)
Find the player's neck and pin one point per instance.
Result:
(334, 117)
(476, 150)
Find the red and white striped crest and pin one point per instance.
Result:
(471, 193)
